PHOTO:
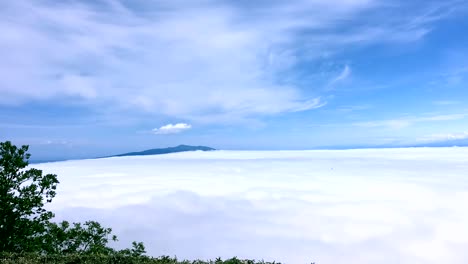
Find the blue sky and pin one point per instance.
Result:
(90, 78)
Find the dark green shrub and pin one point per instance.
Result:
(34, 258)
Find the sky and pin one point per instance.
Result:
(92, 78)
(356, 206)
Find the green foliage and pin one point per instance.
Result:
(12, 258)
(23, 193)
(66, 238)
(138, 249)
(87, 238)
(25, 225)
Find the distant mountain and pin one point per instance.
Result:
(180, 148)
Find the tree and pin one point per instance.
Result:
(87, 238)
(25, 225)
(23, 194)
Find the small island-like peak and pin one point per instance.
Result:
(157, 151)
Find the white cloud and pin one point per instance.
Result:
(357, 206)
(54, 142)
(444, 137)
(392, 124)
(192, 61)
(442, 117)
(171, 129)
(409, 121)
(354, 108)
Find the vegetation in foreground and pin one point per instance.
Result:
(28, 236)
(33, 258)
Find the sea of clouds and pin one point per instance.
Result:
(324, 206)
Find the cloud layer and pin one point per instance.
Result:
(356, 206)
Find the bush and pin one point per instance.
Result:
(33, 258)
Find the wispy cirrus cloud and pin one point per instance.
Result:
(344, 74)
(444, 137)
(446, 102)
(353, 108)
(192, 61)
(408, 121)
